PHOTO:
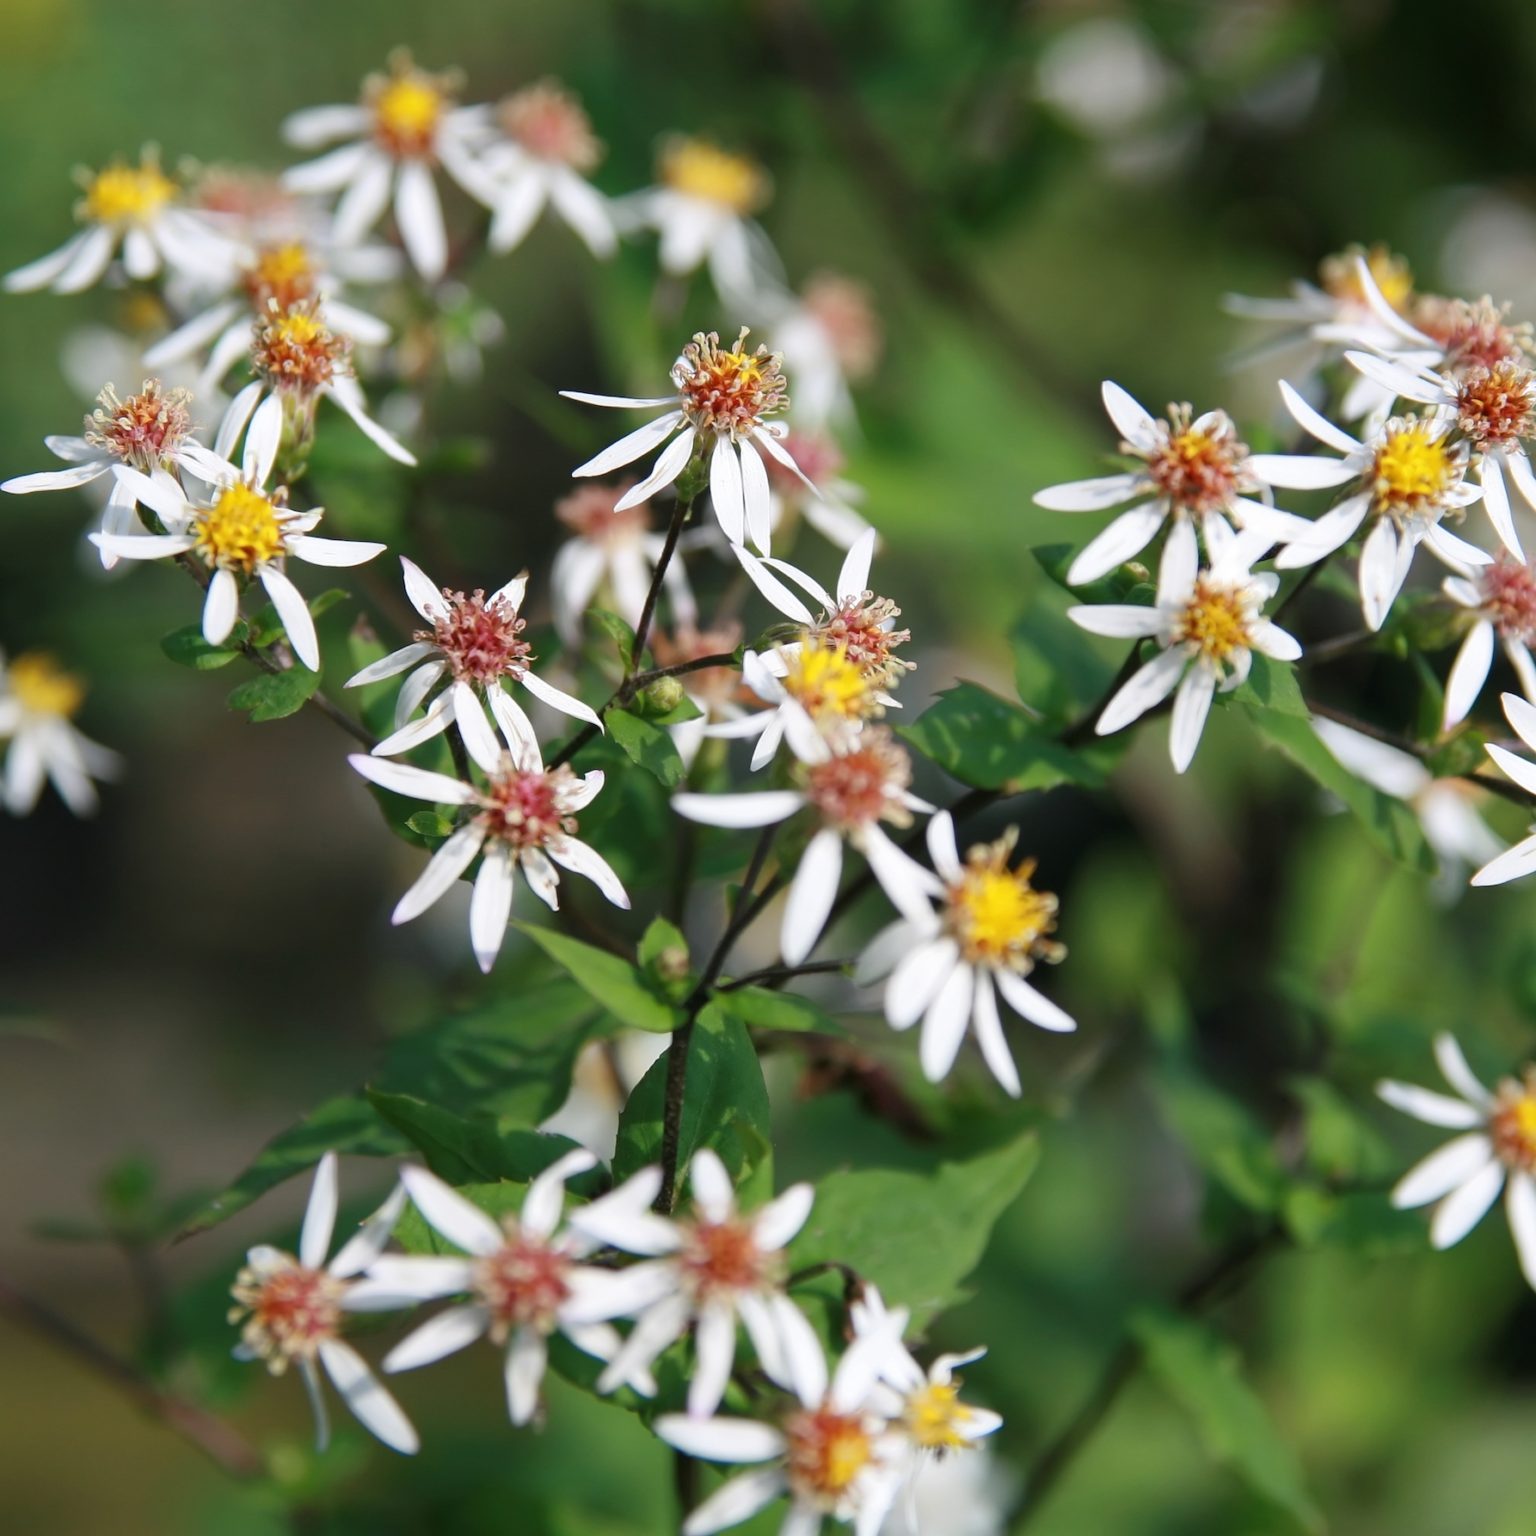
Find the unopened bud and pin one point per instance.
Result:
(660, 697)
(672, 963)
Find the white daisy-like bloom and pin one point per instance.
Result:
(831, 337)
(538, 156)
(38, 703)
(832, 1451)
(1501, 601)
(406, 123)
(138, 209)
(240, 531)
(851, 791)
(1349, 306)
(522, 1278)
(281, 275)
(300, 360)
(475, 645)
(711, 1268)
(150, 432)
(1195, 470)
(1207, 623)
(702, 209)
(610, 561)
(724, 397)
(925, 1407)
(1495, 1154)
(525, 818)
(832, 508)
(1494, 408)
(991, 928)
(1408, 476)
(291, 1310)
(1446, 809)
(1517, 862)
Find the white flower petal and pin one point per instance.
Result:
(1463, 1208)
(368, 1399)
(811, 894)
(1430, 1107)
(527, 1360)
(714, 1342)
(917, 979)
(634, 445)
(1146, 689)
(443, 870)
(1445, 1169)
(1033, 1005)
(1132, 419)
(1123, 540)
(1520, 1207)
(1191, 706)
(750, 809)
(1468, 673)
(419, 214)
(584, 860)
(294, 612)
(439, 1336)
(945, 1023)
(991, 1039)
(1096, 495)
(465, 1225)
(736, 1440)
(319, 1215)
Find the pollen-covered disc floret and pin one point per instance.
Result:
(124, 195)
(285, 1310)
(1339, 275)
(722, 1258)
(828, 683)
(1198, 465)
(281, 275)
(865, 784)
(523, 1284)
(1496, 404)
(863, 627)
(1508, 592)
(1414, 467)
(295, 350)
(1217, 618)
(1471, 334)
(935, 1418)
(547, 120)
(532, 807)
(407, 105)
(698, 169)
(996, 915)
(827, 1453)
(480, 637)
(144, 430)
(1512, 1122)
(40, 686)
(242, 530)
(728, 391)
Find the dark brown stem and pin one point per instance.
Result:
(680, 510)
(218, 1441)
(782, 973)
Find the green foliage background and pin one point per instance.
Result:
(190, 973)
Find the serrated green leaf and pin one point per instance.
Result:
(1388, 822)
(988, 743)
(917, 1236)
(1202, 1373)
(762, 1008)
(725, 1104)
(647, 743)
(275, 695)
(620, 987)
(187, 648)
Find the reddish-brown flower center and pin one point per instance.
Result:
(145, 429)
(550, 123)
(480, 637)
(1509, 597)
(827, 1452)
(863, 627)
(1496, 406)
(863, 784)
(295, 349)
(723, 1256)
(729, 391)
(287, 1310)
(528, 807)
(842, 307)
(522, 1284)
(589, 511)
(1473, 335)
(1196, 465)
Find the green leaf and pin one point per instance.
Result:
(275, 695)
(619, 986)
(1357, 1221)
(648, 744)
(267, 628)
(917, 1236)
(1389, 823)
(347, 1123)
(1057, 667)
(988, 743)
(1272, 685)
(1203, 1375)
(725, 1104)
(762, 1008)
(429, 824)
(187, 648)
(617, 630)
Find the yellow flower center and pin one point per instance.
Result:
(826, 683)
(281, 273)
(42, 687)
(1513, 1122)
(406, 112)
(1414, 468)
(934, 1414)
(997, 915)
(700, 169)
(240, 531)
(1214, 621)
(127, 194)
(1389, 271)
(827, 1451)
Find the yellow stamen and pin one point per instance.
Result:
(1214, 620)
(127, 194)
(701, 169)
(241, 531)
(1389, 271)
(406, 112)
(42, 687)
(1414, 464)
(997, 915)
(827, 683)
(934, 1415)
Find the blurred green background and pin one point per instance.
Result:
(1039, 196)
